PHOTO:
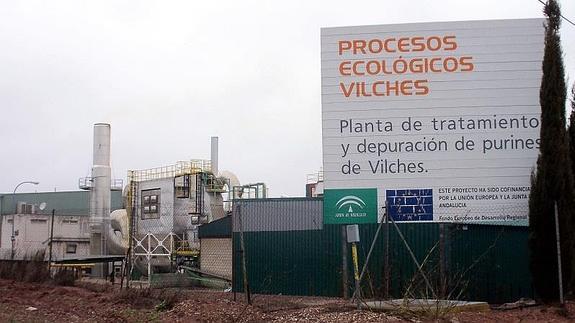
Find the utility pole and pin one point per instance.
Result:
(51, 239)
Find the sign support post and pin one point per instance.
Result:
(356, 275)
(353, 238)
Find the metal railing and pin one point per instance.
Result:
(87, 183)
(193, 166)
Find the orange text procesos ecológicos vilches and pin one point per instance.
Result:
(397, 66)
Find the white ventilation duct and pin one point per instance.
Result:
(118, 234)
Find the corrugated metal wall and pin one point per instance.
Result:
(64, 202)
(291, 256)
(221, 228)
(293, 214)
(290, 263)
(502, 272)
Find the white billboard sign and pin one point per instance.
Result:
(442, 118)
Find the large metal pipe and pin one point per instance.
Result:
(101, 174)
(214, 156)
(100, 195)
(101, 144)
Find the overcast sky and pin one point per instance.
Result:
(167, 75)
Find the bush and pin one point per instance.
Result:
(64, 277)
(148, 298)
(168, 298)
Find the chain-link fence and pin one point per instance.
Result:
(465, 260)
(287, 249)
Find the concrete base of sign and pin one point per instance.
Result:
(425, 305)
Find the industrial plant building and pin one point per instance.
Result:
(189, 220)
(32, 224)
(153, 220)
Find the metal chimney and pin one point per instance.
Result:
(100, 195)
(214, 156)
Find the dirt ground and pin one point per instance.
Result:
(88, 302)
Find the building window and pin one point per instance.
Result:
(150, 204)
(71, 247)
(38, 221)
(25, 208)
(182, 186)
(70, 221)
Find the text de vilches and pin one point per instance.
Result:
(431, 46)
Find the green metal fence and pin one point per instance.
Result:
(478, 262)
(290, 263)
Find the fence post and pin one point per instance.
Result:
(344, 271)
(243, 252)
(234, 277)
(442, 262)
(559, 255)
(149, 256)
(386, 270)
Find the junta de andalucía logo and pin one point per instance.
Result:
(351, 205)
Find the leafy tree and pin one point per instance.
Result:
(553, 179)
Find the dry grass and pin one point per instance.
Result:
(30, 269)
(64, 277)
(147, 298)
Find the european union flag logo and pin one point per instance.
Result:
(410, 204)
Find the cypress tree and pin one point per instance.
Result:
(571, 130)
(571, 220)
(553, 179)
